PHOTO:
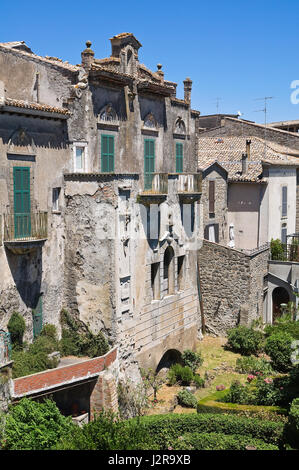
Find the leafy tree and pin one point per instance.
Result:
(34, 426)
(16, 327)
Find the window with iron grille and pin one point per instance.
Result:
(55, 199)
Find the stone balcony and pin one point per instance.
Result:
(189, 187)
(155, 188)
(24, 233)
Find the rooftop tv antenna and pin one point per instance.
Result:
(217, 104)
(264, 110)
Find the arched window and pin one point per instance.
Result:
(168, 271)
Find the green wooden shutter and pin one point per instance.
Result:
(22, 217)
(179, 157)
(107, 153)
(149, 162)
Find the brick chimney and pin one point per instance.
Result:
(187, 90)
(248, 142)
(87, 56)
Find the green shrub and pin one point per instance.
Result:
(178, 373)
(277, 249)
(164, 429)
(285, 323)
(16, 327)
(186, 398)
(291, 433)
(186, 375)
(192, 359)
(238, 393)
(35, 426)
(220, 441)
(198, 381)
(245, 340)
(49, 331)
(251, 365)
(27, 363)
(278, 347)
(108, 432)
(78, 340)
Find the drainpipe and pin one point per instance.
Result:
(203, 324)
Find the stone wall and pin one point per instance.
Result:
(230, 280)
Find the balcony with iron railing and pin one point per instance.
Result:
(288, 252)
(189, 187)
(155, 188)
(23, 233)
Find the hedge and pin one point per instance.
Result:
(220, 441)
(164, 429)
(210, 404)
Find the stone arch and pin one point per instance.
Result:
(108, 114)
(169, 270)
(279, 296)
(170, 357)
(179, 126)
(21, 142)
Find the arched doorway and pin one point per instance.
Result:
(172, 356)
(279, 296)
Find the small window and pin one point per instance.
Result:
(107, 153)
(284, 205)
(80, 164)
(179, 157)
(211, 197)
(55, 199)
(155, 280)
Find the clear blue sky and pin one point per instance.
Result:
(235, 50)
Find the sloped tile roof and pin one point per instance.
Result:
(35, 106)
(227, 151)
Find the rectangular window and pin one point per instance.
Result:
(149, 162)
(55, 199)
(155, 280)
(22, 217)
(179, 157)
(79, 159)
(107, 153)
(284, 198)
(211, 197)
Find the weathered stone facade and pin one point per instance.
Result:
(231, 281)
(109, 156)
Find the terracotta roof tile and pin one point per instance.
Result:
(35, 106)
(227, 151)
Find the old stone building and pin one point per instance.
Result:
(100, 199)
(249, 197)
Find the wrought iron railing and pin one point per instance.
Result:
(288, 252)
(25, 227)
(189, 183)
(155, 183)
(5, 347)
